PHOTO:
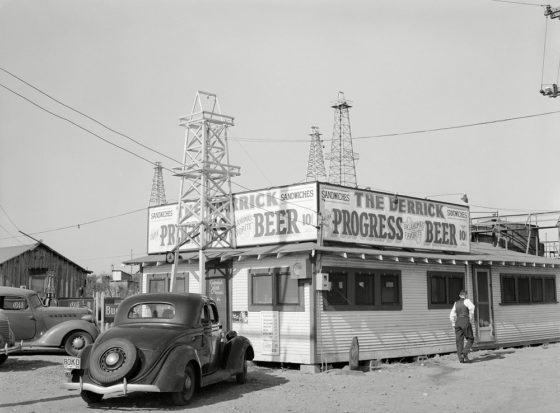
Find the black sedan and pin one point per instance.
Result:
(166, 342)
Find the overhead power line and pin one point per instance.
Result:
(414, 132)
(78, 226)
(88, 116)
(75, 124)
(519, 2)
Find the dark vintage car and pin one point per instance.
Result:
(7, 338)
(39, 327)
(163, 342)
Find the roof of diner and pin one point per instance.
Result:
(481, 253)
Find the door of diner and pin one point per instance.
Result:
(483, 301)
(217, 289)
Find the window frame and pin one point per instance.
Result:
(352, 275)
(276, 274)
(449, 298)
(529, 279)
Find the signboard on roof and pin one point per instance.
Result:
(376, 218)
(162, 229)
(274, 215)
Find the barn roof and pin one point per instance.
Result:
(7, 253)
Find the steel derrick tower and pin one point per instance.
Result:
(316, 162)
(157, 196)
(342, 169)
(205, 210)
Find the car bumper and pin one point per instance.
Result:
(8, 350)
(123, 387)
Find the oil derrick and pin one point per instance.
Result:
(342, 168)
(205, 210)
(316, 163)
(158, 190)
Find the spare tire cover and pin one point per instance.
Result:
(113, 360)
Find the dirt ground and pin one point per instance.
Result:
(506, 380)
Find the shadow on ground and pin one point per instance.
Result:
(216, 393)
(21, 363)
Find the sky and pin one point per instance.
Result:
(276, 67)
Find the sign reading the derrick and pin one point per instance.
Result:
(376, 218)
(270, 216)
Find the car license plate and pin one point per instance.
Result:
(71, 363)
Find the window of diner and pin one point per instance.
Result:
(362, 289)
(274, 289)
(528, 289)
(444, 288)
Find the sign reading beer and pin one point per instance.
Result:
(269, 216)
(376, 218)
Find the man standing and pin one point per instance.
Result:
(462, 318)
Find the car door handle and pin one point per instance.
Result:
(31, 317)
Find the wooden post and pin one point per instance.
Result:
(354, 354)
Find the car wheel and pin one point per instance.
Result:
(113, 360)
(183, 397)
(90, 397)
(241, 378)
(3, 358)
(76, 342)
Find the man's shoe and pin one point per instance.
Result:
(461, 359)
(465, 359)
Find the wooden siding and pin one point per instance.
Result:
(414, 330)
(295, 327)
(519, 323)
(68, 276)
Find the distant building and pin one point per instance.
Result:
(123, 284)
(42, 269)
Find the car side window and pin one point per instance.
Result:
(205, 316)
(13, 303)
(213, 314)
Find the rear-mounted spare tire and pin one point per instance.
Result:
(113, 361)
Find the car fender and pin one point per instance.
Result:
(171, 374)
(235, 349)
(56, 334)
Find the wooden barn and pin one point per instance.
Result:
(317, 265)
(42, 269)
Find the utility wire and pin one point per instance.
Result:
(384, 135)
(544, 51)
(519, 2)
(78, 126)
(10, 219)
(78, 226)
(87, 116)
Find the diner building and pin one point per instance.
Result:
(317, 265)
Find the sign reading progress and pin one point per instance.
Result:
(376, 218)
(274, 215)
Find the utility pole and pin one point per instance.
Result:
(205, 209)
(316, 162)
(342, 168)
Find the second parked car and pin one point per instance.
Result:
(38, 326)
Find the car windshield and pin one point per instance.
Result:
(35, 301)
(152, 310)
